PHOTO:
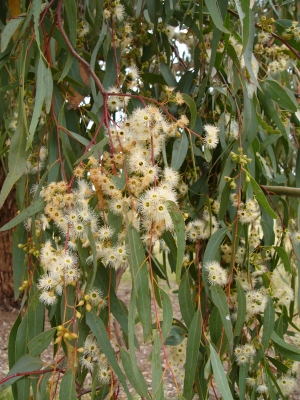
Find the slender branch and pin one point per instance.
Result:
(75, 54)
(275, 36)
(38, 372)
(282, 190)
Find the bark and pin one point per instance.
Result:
(7, 212)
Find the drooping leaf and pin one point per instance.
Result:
(185, 300)
(27, 213)
(40, 343)
(157, 377)
(26, 363)
(193, 110)
(284, 257)
(98, 329)
(178, 222)
(192, 347)
(139, 273)
(180, 148)
(269, 322)
(67, 388)
(241, 313)
(282, 95)
(9, 30)
(261, 198)
(17, 155)
(219, 374)
(220, 301)
(214, 12)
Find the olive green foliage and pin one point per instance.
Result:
(160, 137)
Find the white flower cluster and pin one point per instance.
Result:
(36, 161)
(248, 212)
(143, 200)
(202, 228)
(282, 293)
(256, 302)
(93, 357)
(216, 274)
(211, 137)
(243, 354)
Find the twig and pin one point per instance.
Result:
(282, 190)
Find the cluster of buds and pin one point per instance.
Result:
(240, 158)
(25, 285)
(30, 247)
(64, 333)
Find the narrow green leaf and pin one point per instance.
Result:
(192, 350)
(269, 322)
(212, 250)
(176, 336)
(284, 257)
(167, 74)
(261, 198)
(243, 374)
(9, 30)
(48, 84)
(215, 326)
(157, 377)
(43, 387)
(220, 301)
(127, 365)
(139, 273)
(167, 314)
(241, 312)
(180, 148)
(193, 109)
(214, 12)
(19, 265)
(248, 53)
(97, 147)
(32, 324)
(41, 342)
(67, 387)
(282, 95)
(71, 16)
(25, 363)
(16, 156)
(250, 125)
(139, 380)
(267, 104)
(185, 300)
(27, 213)
(219, 374)
(36, 19)
(110, 73)
(178, 222)
(282, 343)
(39, 100)
(67, 67)
(98, 329)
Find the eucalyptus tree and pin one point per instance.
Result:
(162, 138)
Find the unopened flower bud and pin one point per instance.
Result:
(232, 185)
